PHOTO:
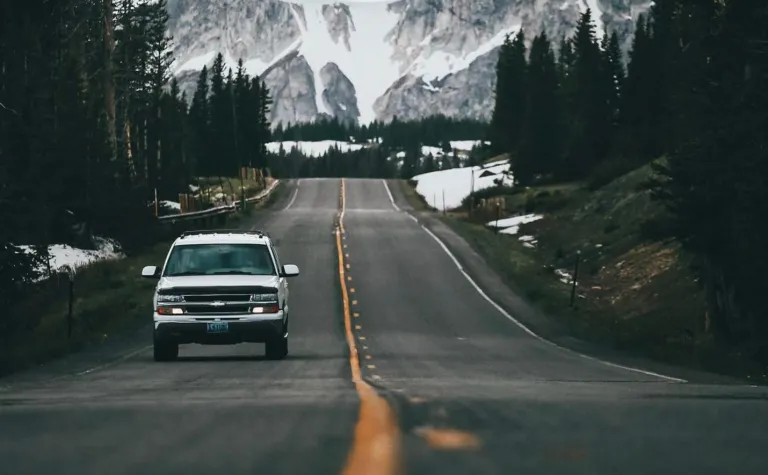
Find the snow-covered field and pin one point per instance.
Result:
(65, 257)
(448, 188)
(320, 147)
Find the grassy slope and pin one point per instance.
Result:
(111, 297)
(633, 294)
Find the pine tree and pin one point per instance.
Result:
(540, 150)
(590, 110)
(158, 73)
(509, 107)
(614, 69)
(199, 126)
(220, 153)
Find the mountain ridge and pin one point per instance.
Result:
(374, 60)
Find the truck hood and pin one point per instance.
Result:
(218, 281)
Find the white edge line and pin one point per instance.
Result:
(529, 331)
(295, 194)
(114, 362)
(391, 198)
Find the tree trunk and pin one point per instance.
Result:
(109, 84)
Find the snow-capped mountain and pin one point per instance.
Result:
(371, 59)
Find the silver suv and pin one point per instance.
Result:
(221, 287)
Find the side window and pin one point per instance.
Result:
(277, 259)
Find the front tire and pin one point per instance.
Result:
(165, 350)
(277, 349)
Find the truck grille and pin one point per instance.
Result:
(208, 310)
(218, 300)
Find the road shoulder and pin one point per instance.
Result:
(509, 297)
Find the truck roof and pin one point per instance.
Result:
(222, 236)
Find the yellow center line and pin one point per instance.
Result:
(376, 444)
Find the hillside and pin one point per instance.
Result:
(633, 294)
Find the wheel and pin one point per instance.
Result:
(165, 350)
(277, 349)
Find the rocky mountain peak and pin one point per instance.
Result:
(366, 60)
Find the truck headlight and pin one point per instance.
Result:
(263, 297)
(161, 298)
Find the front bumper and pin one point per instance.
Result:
(241, 328)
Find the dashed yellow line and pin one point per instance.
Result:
(448, 439)
(376, 444)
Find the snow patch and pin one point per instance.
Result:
(512, 225)
(64, 256)
(467, 145)
(597, 13)
(514, 220)
(170, 204)
(456, 183)
(440, 64)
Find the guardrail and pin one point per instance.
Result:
(218, 210)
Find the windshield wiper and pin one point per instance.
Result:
(179, 274)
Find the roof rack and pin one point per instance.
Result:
(224, 231)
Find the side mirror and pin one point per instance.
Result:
(150, 272)
(290, 270)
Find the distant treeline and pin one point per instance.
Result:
(372, 161)
(434, 130)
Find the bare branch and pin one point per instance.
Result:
(8, 109)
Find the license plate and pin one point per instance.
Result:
(218, 327)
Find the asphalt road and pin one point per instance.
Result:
(218, 409)
(469, 390)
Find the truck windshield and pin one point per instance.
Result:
(220, 259)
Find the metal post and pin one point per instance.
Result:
(443, 200)
(498, 214)
(471, 189)
(575, 277)
(156, 204)
(70, 316)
